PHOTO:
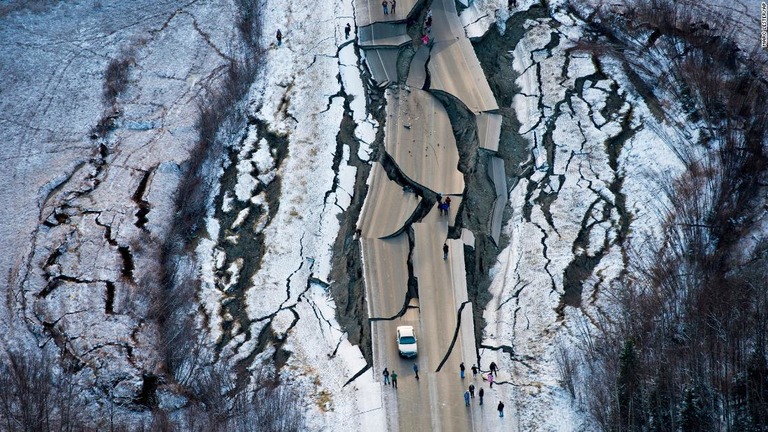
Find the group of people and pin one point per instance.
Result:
(470, 392)
(389, 7)
(443, 206)
(391, 378)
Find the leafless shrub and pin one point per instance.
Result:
(35, 397)
(223, 405)
(567, 368)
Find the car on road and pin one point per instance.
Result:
(406, 341)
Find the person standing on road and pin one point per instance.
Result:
(347, 29)
(416, 370)
(494, 369)
(386, 376)
(474, 371)
(445, 257)
(461, 370)
(393, 5)
(279, 37)
(394, 379)
(480, 394)
(384, 5)
(466, 397)
(490, 380)
(501, 409)
(472, 390)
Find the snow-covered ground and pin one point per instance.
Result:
(72, 200)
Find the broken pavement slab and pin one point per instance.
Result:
(417, 73)
(498, 178)
(489, 130)
(391, 208)
(381, 35)
(420, 140)
(446, 25)
(454, 69)
(382, 62)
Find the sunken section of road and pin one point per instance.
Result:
(431, 142)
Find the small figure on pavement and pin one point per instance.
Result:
(472, 390)
(384, 5)
(501, 409)
(394, 379)
(425, 39)
(347, 29)
(279, 37)
(393, 5)
(461, 370)
(416, 370)
(447, 203)
(490, 380)
(466, 397)
(474, 371)
(386, 376)
(480, 394)
(445, 256)
(494, 369)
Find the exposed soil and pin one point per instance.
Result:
(493, 52)
(348, 288)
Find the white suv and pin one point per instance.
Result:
(406, 341)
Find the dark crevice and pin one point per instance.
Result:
(455, 336)
(69, 360)
(509, 350)
(413, 284)
(544, 237)
(515, 295)
(464, 127)
(147, 396)
(109, 303)
(54, 257)
(128, 265)
(138, 198)
(358, 374)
